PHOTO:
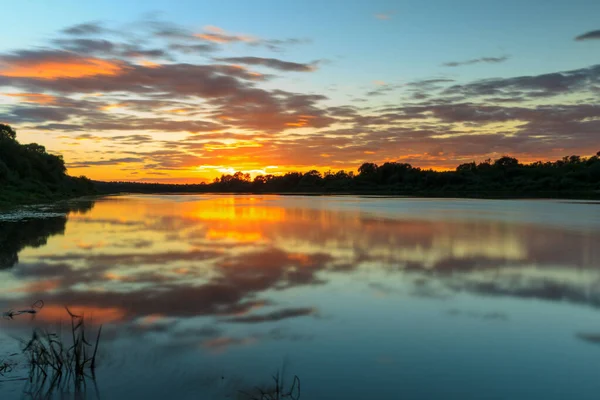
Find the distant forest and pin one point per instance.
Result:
(28, 174)
(572, 176)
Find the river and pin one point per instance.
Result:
(208, 296)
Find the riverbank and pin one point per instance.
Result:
(11, 197)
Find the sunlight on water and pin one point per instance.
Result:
(204, 296)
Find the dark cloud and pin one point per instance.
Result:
(36, 114)
(196, 48)
(87, 46)
(545, 85)
(133, 139)
(487, 60)
(382, 89)
(492, 315)
(196, 332)
(593, 338)
(111, 161)
(89, 28)
(103, 47)
(149, 124)
(589, 35)
(24, 57)
(273, 316)
(429, 84)
(272, 63)
(280, 44)
(135, 51)
(208, 81)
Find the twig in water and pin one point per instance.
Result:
(35, 307)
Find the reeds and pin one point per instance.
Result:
(56, 365)
(278, 390)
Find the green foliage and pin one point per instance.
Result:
(29, 174)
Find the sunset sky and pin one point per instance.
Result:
(184, 91)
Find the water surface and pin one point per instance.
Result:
(203, 296)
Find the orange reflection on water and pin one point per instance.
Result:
(238, 236)
(37, 287)
(187, 256)
(97, 315)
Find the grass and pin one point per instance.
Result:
(55, 363)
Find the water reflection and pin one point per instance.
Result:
(222, 273)
(17, 234)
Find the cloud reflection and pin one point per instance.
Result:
(232, 259)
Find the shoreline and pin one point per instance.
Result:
(9, 203)
(547, 195)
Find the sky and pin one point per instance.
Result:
(184, 91)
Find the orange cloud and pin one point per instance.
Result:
(109, 107)
(38, 98)
(73, 68)
(178, 111)
(149, 64)
(218, 35)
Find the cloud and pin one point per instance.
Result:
(544, 85)
(197, 48)
(87, 46)
(127, 123)
(272, 63)
(111, 161)
(487, 60)
(219, 35)
(589, 35)
(36, 114)
(128, 93)
(54, 64)
(103, 47)
(37, 98)
(382, 88)
(593, 338)
(273, 316)
(89, 28)
(280, 44)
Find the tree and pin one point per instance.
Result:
(367, 169)
(467, 167)
(6, 132)
(506, 162)
(31, 172)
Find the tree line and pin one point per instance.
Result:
(571, 176)
(28, 173)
